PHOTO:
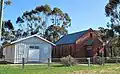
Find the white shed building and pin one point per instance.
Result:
(32, 48)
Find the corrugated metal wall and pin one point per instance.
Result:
(44, 50)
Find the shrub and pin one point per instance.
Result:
(68, 61)
(98, 60)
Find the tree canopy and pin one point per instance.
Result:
(112, 32)
(45, 21)
(112, 10)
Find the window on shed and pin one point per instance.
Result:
(31, 47)
(34, 47)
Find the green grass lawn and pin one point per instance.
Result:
(59, 69)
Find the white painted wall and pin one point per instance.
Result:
(21, 49)
(44, 48)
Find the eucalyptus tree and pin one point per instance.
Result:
(60, 21)
(112, 10)
(45, 21)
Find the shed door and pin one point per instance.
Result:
(33, 55)
(20, 51)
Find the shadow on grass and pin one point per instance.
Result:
(57, 66)
(5, 63)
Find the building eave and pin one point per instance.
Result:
(31, 37)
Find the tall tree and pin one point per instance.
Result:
(7, 26)
(60, 21)
(47, 22)
(112, 10)
(2, 22)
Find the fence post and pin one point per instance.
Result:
(102, 58)
(48, 62)
(23, 62)
(4, 59)
(88, 59)
(116, 60)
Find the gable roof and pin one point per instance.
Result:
(31, 37)
(71, 38)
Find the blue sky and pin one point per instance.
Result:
(84, 13)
